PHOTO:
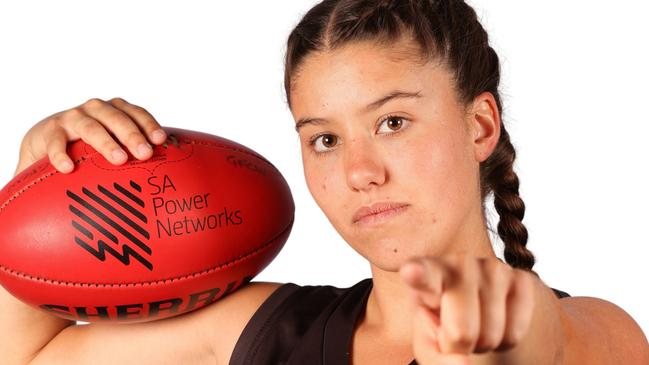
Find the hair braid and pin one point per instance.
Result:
(497, 175)
(448, 30)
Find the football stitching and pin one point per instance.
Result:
(208, 144)
(140, 167)
(83, 158)
(154, 282)
(200, 273)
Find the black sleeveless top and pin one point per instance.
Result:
(298, 325)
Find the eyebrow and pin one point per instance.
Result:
(397, 94)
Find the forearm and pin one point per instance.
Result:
(24, 330)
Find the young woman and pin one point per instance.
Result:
(398, 111)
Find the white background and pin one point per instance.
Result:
(574, 87)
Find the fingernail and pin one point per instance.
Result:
(118, 154)
(143, 149)
(66, 165)
(416, 266)
(412, 272)
(159, 135)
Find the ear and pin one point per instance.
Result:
(483, 123)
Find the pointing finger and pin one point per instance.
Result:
(427, 277)
(460, 311)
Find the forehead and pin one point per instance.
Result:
(357, 73)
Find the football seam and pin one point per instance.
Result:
(242, 257)
(151, 171)
(83, 158)
(193, 142)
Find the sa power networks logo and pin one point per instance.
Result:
(95, 227)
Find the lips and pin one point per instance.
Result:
(376, 209)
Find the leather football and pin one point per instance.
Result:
(144, 240)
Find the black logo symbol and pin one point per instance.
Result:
(119, 233)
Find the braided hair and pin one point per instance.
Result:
(447, 30)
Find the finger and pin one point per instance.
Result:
(425, 346)
(121, 125)
(146, 122)
(426, 279)
(460, 309)
(93, 133)
(520, 307)
(496, 282)
(56, 151)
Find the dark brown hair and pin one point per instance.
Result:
(445, 30)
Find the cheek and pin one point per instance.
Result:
(321, 179)
(435, 168)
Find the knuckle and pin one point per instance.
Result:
(52, 123)
(94, 103)
(462, 336)
(150, 124)
(119, 117)
(86, 127)
(523, 278)
(139, 108)
(134, 138)
(461, 261)
(489, 340)
(512, 338)
(74, 114)
(497, 271)
(118, 100)
(108, 145)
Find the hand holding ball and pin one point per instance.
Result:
(144, 240)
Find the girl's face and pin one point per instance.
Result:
(383, 128)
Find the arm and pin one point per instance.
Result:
(204, 336)
(30, 336)
(24, 330)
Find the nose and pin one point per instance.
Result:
(364, 167)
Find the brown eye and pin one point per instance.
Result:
(329, 140)
(395, 123)
(324, 142)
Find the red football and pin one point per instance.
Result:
(143, 240)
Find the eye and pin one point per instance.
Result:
(393, 124)
(324, 142)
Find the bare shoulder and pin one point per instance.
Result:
(224, 321)
(602, 332)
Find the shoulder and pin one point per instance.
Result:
(222, 322)
(618, 338)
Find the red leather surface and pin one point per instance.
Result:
(203, 215)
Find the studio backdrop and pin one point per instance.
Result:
(574, 89)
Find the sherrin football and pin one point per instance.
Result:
(144, 240)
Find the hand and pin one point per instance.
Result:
(466, 305)
(93, 122)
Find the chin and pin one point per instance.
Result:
(387, 253)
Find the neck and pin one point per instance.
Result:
(390, 310)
